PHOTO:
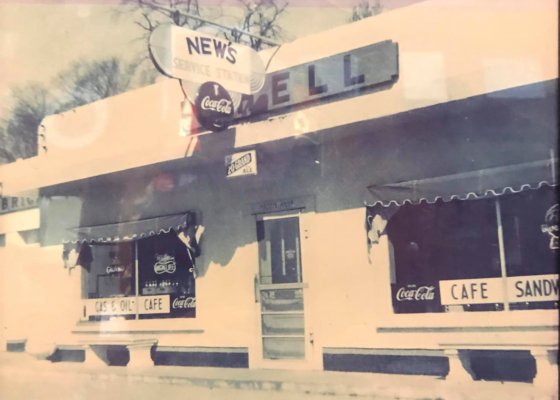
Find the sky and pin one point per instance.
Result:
(40, 38)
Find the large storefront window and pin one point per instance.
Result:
(111, 271)
(530, 221)
(140, 277)
(446, 256)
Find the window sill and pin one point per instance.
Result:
(517, 320)
(154, 326)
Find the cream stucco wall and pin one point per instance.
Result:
(447, 51)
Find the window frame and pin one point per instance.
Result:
(507, 299)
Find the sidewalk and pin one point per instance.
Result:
(339, 384)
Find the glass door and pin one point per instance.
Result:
(281, 293)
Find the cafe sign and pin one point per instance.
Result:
(197, 57)
(520, 289)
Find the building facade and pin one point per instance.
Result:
(387, 204)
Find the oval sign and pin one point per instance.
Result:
(214, 107)
(197, 57)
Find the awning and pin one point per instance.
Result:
(469, 185)
(127, 231)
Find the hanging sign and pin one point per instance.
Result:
(240, 164)
(197, 57)
(214, 107)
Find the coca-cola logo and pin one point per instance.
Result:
(115, 269)
(188, 302)
(214, 107)
(222, 106)
(421, 293)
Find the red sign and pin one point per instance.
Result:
(164, 183)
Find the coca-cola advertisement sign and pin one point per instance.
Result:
(416, 297)
(184, 302)
(214, 107)
(422, 293)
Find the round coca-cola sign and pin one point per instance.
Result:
(214, 107)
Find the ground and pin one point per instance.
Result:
(20, 387)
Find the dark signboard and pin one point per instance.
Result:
(214, 107)
(416, 298)
(345, 73)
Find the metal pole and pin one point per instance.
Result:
(197, 18)
(502, 253)
(136, 277)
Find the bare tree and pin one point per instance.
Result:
(6, 155)
(87, 81)
(82, 83)
(32, 103)
(260, 18)
(149, 14)
(365, 10)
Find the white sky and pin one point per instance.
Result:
(39, 38)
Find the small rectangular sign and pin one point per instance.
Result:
(471, 291)
(127, 305)
(532, 288)
(240, 164)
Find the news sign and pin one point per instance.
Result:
(197, 57)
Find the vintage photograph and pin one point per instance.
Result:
(279, 199)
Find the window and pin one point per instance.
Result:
(530, 221)
(279, 249)
(30, 236)
(165, 281)
(3, 240)
(446, 256)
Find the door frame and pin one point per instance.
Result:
(313, 355)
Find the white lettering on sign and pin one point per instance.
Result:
(222, 106)
(165, 263)
(127, 305)
(240, 164)
(471, 291)
(112, 270)
(420, 293)
(189, 302)
(533, 288)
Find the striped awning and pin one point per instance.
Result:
(468, 185)
(127, 231)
